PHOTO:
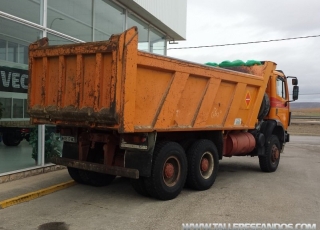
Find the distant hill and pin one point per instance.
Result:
(304, 105)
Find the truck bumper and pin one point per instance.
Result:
(100, 168)
(287, 137)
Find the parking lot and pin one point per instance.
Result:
(241, 194)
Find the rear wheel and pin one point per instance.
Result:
(139, 186)
(99, 179)
(71, 151)
(169, 171)
(186, 143)
(96, 155)
(270, 161)
(203, 164)
(74, 174)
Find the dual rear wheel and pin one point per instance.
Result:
(70, 150)
(91, 178)
(173, 166)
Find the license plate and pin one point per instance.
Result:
(69, 139)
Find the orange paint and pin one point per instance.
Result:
(112, 85)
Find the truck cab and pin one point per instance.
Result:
(279, 96)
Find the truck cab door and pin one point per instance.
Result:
(279, 106)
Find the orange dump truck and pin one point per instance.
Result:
(161, 121)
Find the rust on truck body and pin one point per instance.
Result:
(160, 120)
(112, 85)
(100, 168)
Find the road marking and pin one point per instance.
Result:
(36, 194)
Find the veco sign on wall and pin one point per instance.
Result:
(13, 80)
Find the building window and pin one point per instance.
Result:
(109, 23)
(17, 108)
(14, 108)
(14, 41)
(157, 42)
(26, 9)
(3, 49)
(72, 17)
(25, 109)
(143, 29)
(12, 52)
(6, 105)
(23, 54)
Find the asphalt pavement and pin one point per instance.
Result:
(241, 194)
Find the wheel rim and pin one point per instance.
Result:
(171, 171)
(275, 154)
(206, 165)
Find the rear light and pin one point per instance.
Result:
(134, 141)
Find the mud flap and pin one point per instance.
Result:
(267, 128)
(140, 160)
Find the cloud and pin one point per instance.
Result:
(220, 22)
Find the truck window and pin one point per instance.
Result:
(281, 89)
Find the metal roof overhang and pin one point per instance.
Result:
(139, 10)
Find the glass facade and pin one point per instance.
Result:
(157, 42)
(72, 17)
(107, 24)
(143, 29)
(63, 22)
(25, 9)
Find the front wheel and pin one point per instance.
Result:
(169, 171)
(10, 139)
(270, 161)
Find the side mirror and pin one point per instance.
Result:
(295, 93)
(294, 81)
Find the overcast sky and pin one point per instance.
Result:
(212, 22)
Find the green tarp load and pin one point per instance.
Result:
(212, 64)
(234, 63)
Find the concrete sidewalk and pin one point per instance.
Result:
(30, 184)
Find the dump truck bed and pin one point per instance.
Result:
(112, 85)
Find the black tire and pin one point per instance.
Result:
(74, 174)
(186, 143)
(9, 139)
(203, 164)
(270, 161)
(97, 179)
(71, 151)
(264, 108)
(139, 186)
(169, 171)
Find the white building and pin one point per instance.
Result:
(68, 21)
